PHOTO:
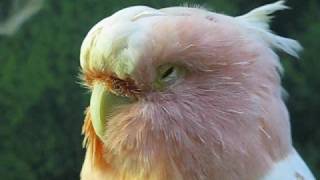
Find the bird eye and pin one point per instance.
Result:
(167, 75)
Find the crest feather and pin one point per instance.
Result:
(259, 19)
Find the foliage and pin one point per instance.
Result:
(41, 105)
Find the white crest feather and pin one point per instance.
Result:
(290, 168)
(259, 19)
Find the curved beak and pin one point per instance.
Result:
(102, 105)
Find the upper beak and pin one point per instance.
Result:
(102, 105)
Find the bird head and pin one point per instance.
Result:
(183, 85)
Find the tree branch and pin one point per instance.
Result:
(15, 21)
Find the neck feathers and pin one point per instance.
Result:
(94, 160)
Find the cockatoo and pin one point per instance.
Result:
(182, 93)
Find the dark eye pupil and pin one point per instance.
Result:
(167, 72)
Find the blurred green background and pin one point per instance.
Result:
(41, 104)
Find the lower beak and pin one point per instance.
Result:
(102, 105)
